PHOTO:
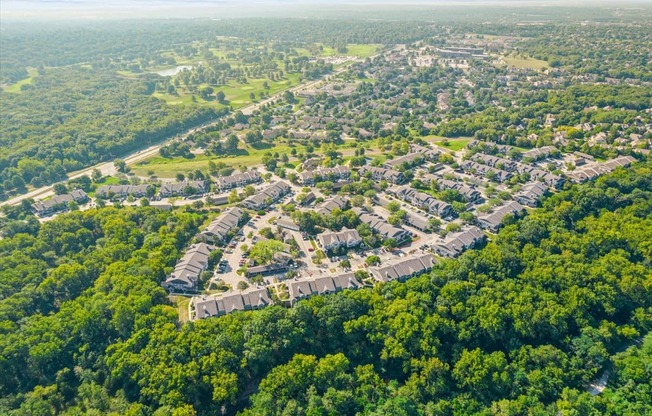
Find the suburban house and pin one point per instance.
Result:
(321, 285)
(594, 169)
(470, 193)
(380, 174)
(427, 152)
(187, 270)
(495, 162)
(456, 243)
(338, 202)
(551, 180)
(482, 171)
(334, 240)
(218, 230)
(417, 221)
(59, 202)
(269, 195)
(287, 223)
(334, 174)
(411, 159)
(423, 201)
(237, 180)
(530, 194)
(182, 188)
(494, 220)
(216, 305)
(404, 269)
(385, 229)
(122, 191)
(540, 152)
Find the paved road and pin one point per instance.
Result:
(107, 168)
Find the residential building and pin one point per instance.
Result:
(321, 285)
(338, 202)
(456, 243)
(268, 196)
(530, 194)
(385, 229)
(423, 201)
(237, 180)
(187, 270)
(404, 269)
(183, 188)
(380, 174)
(493, 221)
(218, 230)
(334, 240)
(218, 305)
(309, 177)
(122, 191)
(59, 202)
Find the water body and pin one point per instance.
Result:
(173, 71)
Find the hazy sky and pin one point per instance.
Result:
(240, 8)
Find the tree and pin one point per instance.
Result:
(233, 197)
(345, 264)
(120, 166)
(248, 190)
(372, 260)
(242, 285)
(393, 206)
(220, 96)
(60, 188)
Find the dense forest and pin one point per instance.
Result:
(72, 118)
(519, 327)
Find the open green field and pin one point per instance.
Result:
(236, 94)
(454, 144)
(354, 49)
(168, 168)
(525, 63)
(15, 87)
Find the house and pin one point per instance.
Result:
(237, 180)
(218, 230)
(59, 202)
(308, 199)
(338, 202)
(334, 240)
(494, 220)
(187, 270)
(417, 221)
(404, 269)
(427, 152)
(334, 174)
(423, 201)
(122, 191)
(321, 285)
(540, 152)
(530, 194)
(385, 229)
(266, 197)
(456, 243)
(287, 223)
(495, 162)
(380, 174)
(483, 171)
(470, 193)
(209, 306)
(411, 159)
(183, 188)
(594, 170)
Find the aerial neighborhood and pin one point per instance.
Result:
(357, 200)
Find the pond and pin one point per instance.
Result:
(173, 71)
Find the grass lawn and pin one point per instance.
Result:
(525, 63)
(168, 168)
(182, 303)
(236, 94)
(454, 144)
(15, 87)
